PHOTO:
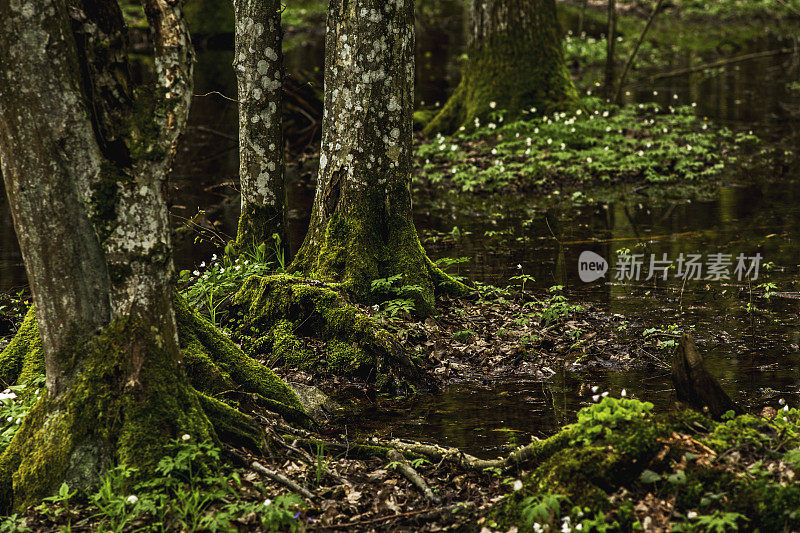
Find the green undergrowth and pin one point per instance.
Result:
(627, 467)
(685, 32)
(191, 490)
(599, 145)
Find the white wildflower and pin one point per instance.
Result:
(132, 499)
(185, 437)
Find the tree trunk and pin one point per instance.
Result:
(611, 65)
(515, 61)
(259, 67)
(361, 226)
(84, 170)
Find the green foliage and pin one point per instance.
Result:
(542, 509)
(398, 299)
(187, 494)
(716, 522)
(210, 287)
(15, 402)
(600, 420)
(599, 144)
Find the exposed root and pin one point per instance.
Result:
(274, 316)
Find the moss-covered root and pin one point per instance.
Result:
(23, 358)
(217, 367)
(214, 365)
(273, 313)
(115, 410)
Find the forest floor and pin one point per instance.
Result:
(619, 467)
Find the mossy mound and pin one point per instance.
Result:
(625, 468)
(280, 317)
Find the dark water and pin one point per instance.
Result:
(756, 211)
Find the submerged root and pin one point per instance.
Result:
(276, 316)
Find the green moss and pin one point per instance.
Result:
(351, 254)
(600, 472)
(495, 78)
(273, 314)
(106, 414)
(143, 130)
(98, 421)
(216, 365)
(23, 358)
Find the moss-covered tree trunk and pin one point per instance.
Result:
(515, 62)
(361, 226)
(84, 165)
(259, 68)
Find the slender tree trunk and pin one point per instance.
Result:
(611, 65)
(259, 68)
(85, 184)
(515, 61)
(361, 227)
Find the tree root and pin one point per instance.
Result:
(220, 374)
(272, 315)
(531, 454)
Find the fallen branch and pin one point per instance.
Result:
(413, 476)
(721, 63)
(426, 514)
(283, 480)
(635, 50)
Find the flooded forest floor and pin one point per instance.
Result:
(550, 404)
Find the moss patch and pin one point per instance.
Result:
(277, 316)
(619, 455)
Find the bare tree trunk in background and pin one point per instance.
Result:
(610, 72)
(361, 227)
(515, 60)
(258, 62)
(84, 167)
(582, 16)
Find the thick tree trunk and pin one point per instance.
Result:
(259, 67)
(361, 227)
(85, 183)
(515, 61)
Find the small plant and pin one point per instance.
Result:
(321, 463)
(209, 287)
(15, 402)
(717, 522)
(542, 509)
(601, 419)
(398, 299)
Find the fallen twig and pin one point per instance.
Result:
(280, 478)
(413, 476)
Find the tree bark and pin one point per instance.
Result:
(515, 61)
(259, 68)
(361, 226)
(84, 169)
